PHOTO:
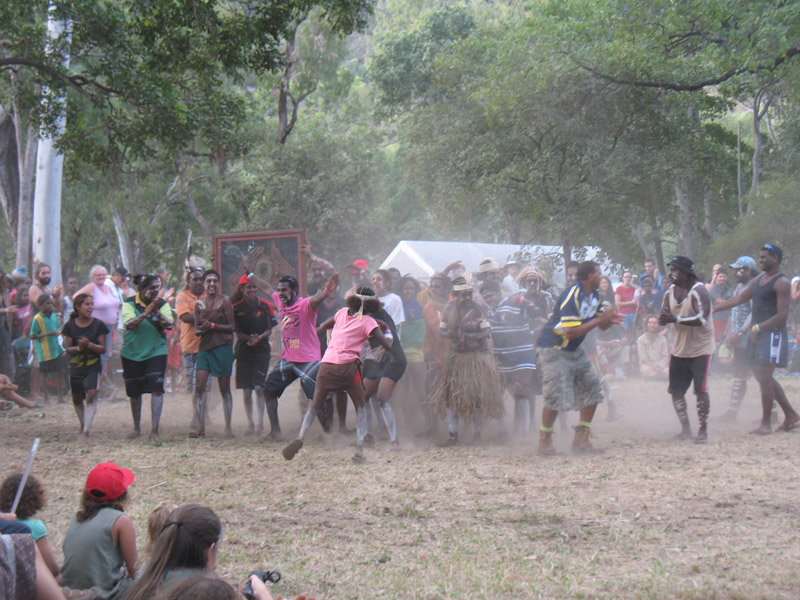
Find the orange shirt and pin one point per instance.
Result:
(435, 347)
(184, 303)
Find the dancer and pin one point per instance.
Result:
(254, 321)
(435, 346)
(190, 341)
(381, 374)
(769, 341)
(469, 386)
(214, 322)
(300, 355)
(739, 325)
(144, 350)
(339, 369)
(84, 342)
(570, 380)
(412, 336)
(687, 304)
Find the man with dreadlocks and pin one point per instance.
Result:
(339, 368)
(469, 386)
(687, 303)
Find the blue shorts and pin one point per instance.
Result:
(770, 347)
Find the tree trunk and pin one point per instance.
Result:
(124, 242)
(657, 241)
(285, 125)
(709, 216)
(638, 231)
(760, 108)
(566, 250)
(26, 167)
(187, 198)
(9, 173)
(685, 219)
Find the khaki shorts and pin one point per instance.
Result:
(569, 379)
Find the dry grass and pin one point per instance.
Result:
(652, 518)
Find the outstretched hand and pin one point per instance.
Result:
(332, 283)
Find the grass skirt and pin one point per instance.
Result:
(469, 382)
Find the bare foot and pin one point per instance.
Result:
(762, 430)
(789, 424)
(683, 435)
(134, 434)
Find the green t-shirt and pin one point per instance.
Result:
(46, 348)
(148, 339)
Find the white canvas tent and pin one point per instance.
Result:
(422, 259)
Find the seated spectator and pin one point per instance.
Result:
(31, 501)
(186, 549)
(653, 351)
(23, 573)
(649, 299)
(100, 543)
(613, 351)
(155, 523)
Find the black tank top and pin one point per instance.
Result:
(765, 300)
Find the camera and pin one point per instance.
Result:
(273, 576)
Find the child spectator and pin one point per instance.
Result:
(155, 523)
(100, 540)
(31, 501)
(45, 329)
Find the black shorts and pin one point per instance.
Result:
(57, 365)
(144, 376)
(81, 381)
(251, 369)
(770, 347)
(390, 369)
(683, 370)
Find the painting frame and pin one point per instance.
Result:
(270, 254)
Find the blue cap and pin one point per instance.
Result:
(745, 261)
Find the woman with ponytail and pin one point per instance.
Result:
(145, 317)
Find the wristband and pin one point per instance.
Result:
(756, 328)
(213, 325)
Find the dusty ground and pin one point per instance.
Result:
(652, 518)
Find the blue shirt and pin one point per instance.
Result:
(573, 308)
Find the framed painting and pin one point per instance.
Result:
(268, 254)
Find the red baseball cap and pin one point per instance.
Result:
(107, 481)
(245, 278)
(358, 265)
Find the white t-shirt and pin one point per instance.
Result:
(394, 306)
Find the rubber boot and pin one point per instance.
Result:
(546, 447)
(581, 443)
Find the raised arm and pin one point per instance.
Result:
(330, 287)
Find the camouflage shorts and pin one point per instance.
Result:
(569, 379)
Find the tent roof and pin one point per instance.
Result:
(424, 258)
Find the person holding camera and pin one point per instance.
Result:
(184, 555)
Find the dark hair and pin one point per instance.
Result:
(385, 274)
(188, 533)
(371, 306)
(200, 586)
(646, 278)
(446, 281)
(142, 281)
(77, 302)
(211, 272)
(42, 299)
(571, 264)
(491, 286)
(39, 268)
(290, 281)
(193, 270)
(391, 270)
(91, 506)
(31, 501)
(585, 269)
(409, 279)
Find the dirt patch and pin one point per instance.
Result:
(652, 518)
